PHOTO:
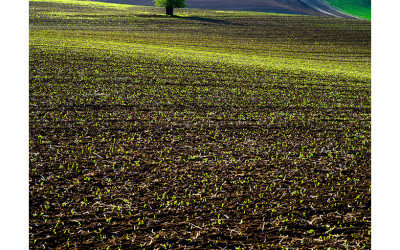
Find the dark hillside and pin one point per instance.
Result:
(273, 6)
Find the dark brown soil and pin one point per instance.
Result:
(195, 173)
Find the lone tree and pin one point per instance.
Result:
(170, 5)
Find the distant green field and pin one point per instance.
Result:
(360, 8)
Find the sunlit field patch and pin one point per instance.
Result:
(206, 130)
(360, 8)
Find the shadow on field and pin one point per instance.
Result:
(193, 18)
(206, 20)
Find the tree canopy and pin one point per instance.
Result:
(169, 5)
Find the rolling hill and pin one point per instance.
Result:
(207, 130)
(300, 7)
(360, 8)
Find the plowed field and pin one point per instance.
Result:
(209, 130)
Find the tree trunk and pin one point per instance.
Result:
(170, 11)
